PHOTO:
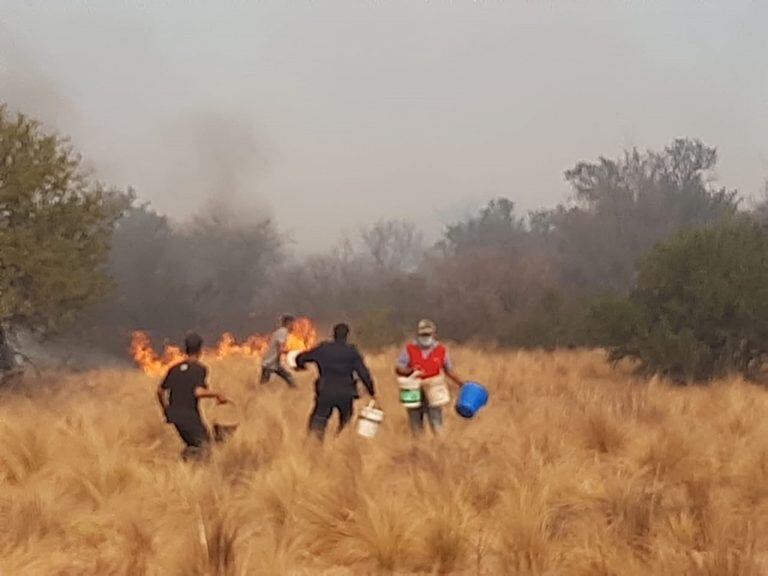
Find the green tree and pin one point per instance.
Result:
(495, 227)
(55, 227)
(624, 207)
(700, 305)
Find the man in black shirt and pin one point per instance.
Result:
(179, 394)
(339, 365)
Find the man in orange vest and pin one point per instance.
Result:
(425, 358)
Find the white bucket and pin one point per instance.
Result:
(437, 392)
(369, 421)
(290, 359)
(410, 391)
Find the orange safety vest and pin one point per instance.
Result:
(432, 364)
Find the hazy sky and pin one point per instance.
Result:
(329, 115)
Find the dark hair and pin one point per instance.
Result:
(340, 332)
(286, 320)
(193, 344)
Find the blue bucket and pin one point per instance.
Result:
(472, 397)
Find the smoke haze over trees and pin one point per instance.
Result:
(535, 279)
(516, 279)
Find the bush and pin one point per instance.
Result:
(700, 305)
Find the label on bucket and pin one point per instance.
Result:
(410, 396)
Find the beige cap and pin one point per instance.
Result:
(426, 328)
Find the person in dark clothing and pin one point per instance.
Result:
(339, 365)
(179, 394)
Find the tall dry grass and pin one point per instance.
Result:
(573, 468)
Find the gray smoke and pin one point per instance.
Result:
(214, 162)
(26, 88)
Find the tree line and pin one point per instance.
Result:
(649, 257)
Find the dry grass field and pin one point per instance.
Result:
(572, 468)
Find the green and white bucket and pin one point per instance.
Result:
(410, 392)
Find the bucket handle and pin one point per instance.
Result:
(231, 403)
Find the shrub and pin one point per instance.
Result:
(699, 308)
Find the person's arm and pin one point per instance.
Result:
(305, 358)
(201, 392)
(364, 374)
(162, 395)
(162, 398)
(403, 366)
(448, 369)
(455, 377)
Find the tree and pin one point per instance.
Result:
(493, 279)
(226, 264)
(700, 306)
(55, 227)
(150, 287)
(624, 207)
(393, 245)
(760, 208)
(496, 226)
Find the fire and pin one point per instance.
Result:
(303, 337)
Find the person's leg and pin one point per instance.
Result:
(344, 406)
(287, 376)
(195, 437)
(318, 420)
(266, 374)
(435, 418)
(192, 432)
(416, 420)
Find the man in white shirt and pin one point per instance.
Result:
(271, 363)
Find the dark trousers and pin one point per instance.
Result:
(194, 434)
(266, 375)
(416, 417)
(325, 404)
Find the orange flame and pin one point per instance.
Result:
(303, 337)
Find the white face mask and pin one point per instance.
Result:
(426, 341)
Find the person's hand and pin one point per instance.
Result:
(417, 373)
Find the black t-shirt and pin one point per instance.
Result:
(181, 381)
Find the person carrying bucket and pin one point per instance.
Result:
(423, 366)
(272, 361)
(179, 395)
(339, 365)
